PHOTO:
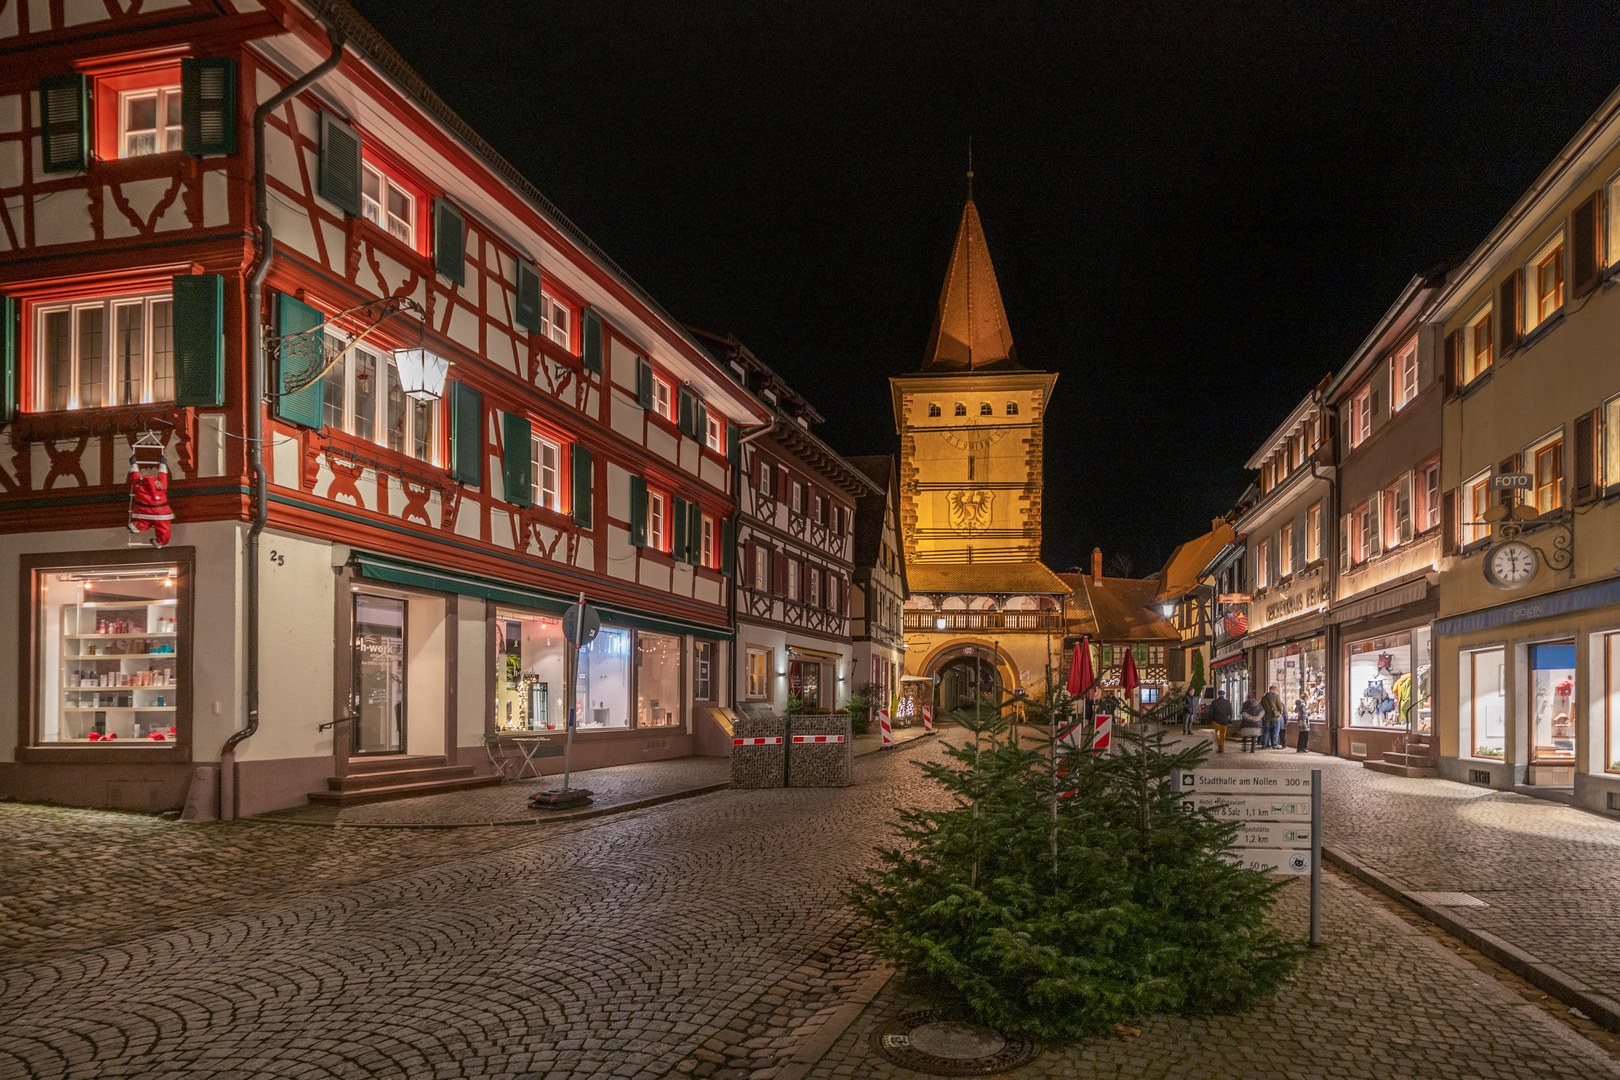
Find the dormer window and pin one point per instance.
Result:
(961, 409)
(148, 121)
(385, 203)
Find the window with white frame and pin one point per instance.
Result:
(107, 351)
(1403, 372)
(1390, 518)
(715, 435)
(365, 397)
(762, 568)
(707, 557)
(815, 587)
(1361, 416)
(797, 505)
(1285, 550)
(1313, 533)
(759, 667)
(387, 205)
(1611, 445)
(1426, 490)
(655, 521)
(1261, 579)
(1478, 345)
(149, 121)
(1545, 275)
(703, 670)
(1546, 461)
(1476, 500)
(545, 458)
(793, 579)
(556, 318)
(661, 399)
(820, 502)
(765, 478)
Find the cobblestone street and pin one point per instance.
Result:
(703, 937)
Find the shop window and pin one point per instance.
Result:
(703, 670)
(1550, 282)
(545, 459)
(387, 204)
(1611, 702)
(1012, 408)
(1150, 695)
(804, 684)
(110, 656)
(1389, 682)
(1429, 502)
(759, 673)
(1299, 672)
(658, 680)
(1480, 344)
(530, 673)
(1404, 376)
(933, 409)
(149, 121)
(1548, 475)
(353, 401)
(602, 688)
(1478, 500)
(379, 674)
(109, 351)
(1484, 693)
(1361, 416)
(1552, 699)
(556, 318)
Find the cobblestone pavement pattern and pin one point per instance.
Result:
(704, 937)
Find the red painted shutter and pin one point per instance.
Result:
(750, 575)
(753, 470)
(782, 491)
(1585, 247)
(779, 568)
(1511, 313)
(1584, 465)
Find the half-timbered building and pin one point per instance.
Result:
(404, 412)
(877, 604)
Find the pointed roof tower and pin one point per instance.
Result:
(970, 330)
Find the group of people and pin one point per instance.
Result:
(1260, 725)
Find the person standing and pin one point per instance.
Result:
(1220, 716)
(1304, 726)
(1249, 724)
(1189, 714)
(1272, 711)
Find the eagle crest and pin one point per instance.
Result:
(970, 510)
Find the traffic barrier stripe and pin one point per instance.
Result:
(773, 740)
(818, 738)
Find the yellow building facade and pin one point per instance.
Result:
(985, 615)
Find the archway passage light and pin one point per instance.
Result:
(1169, 609)
(421, 373)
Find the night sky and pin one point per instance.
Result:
(1195, 211)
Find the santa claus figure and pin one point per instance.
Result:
(149, 502)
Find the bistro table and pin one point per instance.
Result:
(534, 747)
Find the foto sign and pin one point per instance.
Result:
(1253, 807)
(1511, 481)
(1239, 782)
(1266, 861)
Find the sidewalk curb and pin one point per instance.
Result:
(560, 819)
(815, 1047)
(1603, 1009)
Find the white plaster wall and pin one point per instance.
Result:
(297, 607)
(472, 658)
(425, 674)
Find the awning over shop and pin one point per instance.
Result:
(1412, 592)
(1228, 662)
(796, 652)
(418, 575)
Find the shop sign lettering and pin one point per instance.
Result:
(1296, 598)
(1242, 808)
(1292, 863)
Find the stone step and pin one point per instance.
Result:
(1401, 770)
(393, 762)
(1420, 761)
(395, 777)
(400, 791)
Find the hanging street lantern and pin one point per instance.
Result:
(421, 373)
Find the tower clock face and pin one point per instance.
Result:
(974, 438)
(1510, 565)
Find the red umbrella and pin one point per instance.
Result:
(1081, 677)
(1128, 679)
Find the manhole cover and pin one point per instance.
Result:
(930, 1042)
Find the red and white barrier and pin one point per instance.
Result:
(1105, 731)
(769, 740)
(817, 738)
(928, 719)
(888, 731)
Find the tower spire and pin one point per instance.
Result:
(970, 329)
(970, 168)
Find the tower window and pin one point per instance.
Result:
(961, 409)
(984, 408)
(1012, 408)
(933, 409)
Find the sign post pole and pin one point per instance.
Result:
(580, 625)
(1316, 857)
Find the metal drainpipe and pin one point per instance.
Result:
(1330, 528)
(256, 391)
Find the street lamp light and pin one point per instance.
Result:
(939, 623)
(1169, 608)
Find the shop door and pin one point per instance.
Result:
(804, 683)
(379, 675)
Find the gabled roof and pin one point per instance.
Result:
(1187, 562)
(970, 329)
(1122, 608)
(985, 579)
(870, 513)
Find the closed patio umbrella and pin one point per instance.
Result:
(1081, 677)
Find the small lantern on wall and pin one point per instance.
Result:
(421, 373)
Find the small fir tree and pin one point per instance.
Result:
(1064, 891)
(1195, 685)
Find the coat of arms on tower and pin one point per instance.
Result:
(970, 510)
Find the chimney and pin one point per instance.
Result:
(1096, 563)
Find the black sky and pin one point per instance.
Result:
(1195, 211)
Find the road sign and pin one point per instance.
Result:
(1270, 861)
(578, 629)
(1251, 782)
(1273, 834)
(1511, 481)
(1254, 807)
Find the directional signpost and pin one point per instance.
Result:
(581, 624)
(1279, 814)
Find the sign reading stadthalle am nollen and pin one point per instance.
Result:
(1270, 781)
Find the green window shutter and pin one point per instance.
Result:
(199, 340)
(592, 354)
(515, 438)
(684, 416)
(208, 107)
(337, 180)
(644, 383)
(683, 537)
(733, 445)
(728, 552)
(64, 105)
(638, 511)
(694, 534)
(700, 421)
(450, 242)
(466, 434)
(583, 489)
(304, 406)
(8, 359)
(528, 297)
